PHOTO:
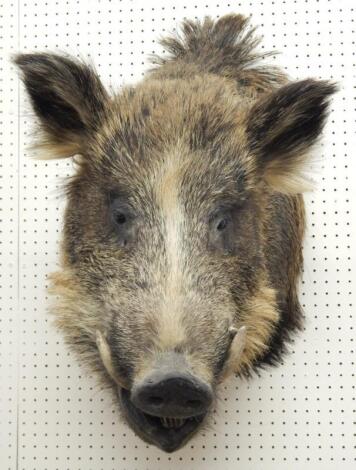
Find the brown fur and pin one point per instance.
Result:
(208, 136)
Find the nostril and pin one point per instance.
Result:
(155, 400)
(193, 403)
(169, 394)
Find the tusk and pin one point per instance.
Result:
(232, 331)
(238, 344)
(236, 349)
(105, 355)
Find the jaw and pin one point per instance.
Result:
(169, 434)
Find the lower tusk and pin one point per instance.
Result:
(237, 347)
(239, 343)
(105, 354)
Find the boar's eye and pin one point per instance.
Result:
(122, 221)
(222, 223)
(221, 232)
(120, 218)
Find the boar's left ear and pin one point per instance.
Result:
(283, 126)
(67, 97)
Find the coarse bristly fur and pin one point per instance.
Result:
(185, 218)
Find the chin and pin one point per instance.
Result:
(168, 433)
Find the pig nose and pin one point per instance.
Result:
(179, 396)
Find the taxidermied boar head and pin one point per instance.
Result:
(183, 227)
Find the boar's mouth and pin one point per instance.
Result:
(167, 433)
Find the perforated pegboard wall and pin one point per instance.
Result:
(299, 416)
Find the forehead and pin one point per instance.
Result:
(175, 133)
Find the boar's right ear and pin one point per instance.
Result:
(67, 97)
(283, 126)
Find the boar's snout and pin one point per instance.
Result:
(168, 402)
(173, 393)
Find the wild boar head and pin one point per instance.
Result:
(183, 227)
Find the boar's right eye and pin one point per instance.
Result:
(120, 218)
(123, 221)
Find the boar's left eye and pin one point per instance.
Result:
(222, 224)
(220, 232)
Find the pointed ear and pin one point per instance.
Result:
(283, 126)
(67, 97)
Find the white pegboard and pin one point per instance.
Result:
(299, 416)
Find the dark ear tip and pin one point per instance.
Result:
(18, 59)
(22, 62)
(328, 87)
(23, 58)
(27, 60)
(33, 60)
(322, 94)
(319, 87)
